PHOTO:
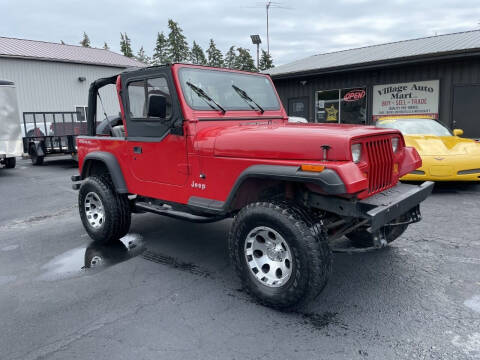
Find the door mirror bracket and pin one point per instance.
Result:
(157, 106)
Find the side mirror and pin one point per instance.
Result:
(457, 132)
(157, 106)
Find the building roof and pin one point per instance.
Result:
(47, 51)
(394, 52)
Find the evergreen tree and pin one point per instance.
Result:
(215, 57)
(197, 56)
(105, 46)
(125, 46)
(266, 61)
(160, 55)
(142, 57)
(85, 41)
(177, 50)
(230, 58)
(244, 60)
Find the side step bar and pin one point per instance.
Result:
(167, 210)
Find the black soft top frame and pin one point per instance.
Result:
(92, 101)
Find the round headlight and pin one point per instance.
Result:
(395, 142)
(356, 152)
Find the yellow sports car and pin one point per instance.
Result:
(445, 156)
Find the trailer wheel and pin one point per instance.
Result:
(105, 214)
(10, 163)
(281, 258)
(36, 159)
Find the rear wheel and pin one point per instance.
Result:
(105, 214)
(364, 239)
(10, 163)
(281, 258)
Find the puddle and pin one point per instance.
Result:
(473, 303)
(80, 261)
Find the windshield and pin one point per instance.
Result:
(415, 126)
(223, 88)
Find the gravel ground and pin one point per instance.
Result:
(173, 295)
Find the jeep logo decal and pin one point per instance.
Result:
(196, 185)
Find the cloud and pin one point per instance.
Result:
(298, 29)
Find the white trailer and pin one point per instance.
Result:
(11, 144)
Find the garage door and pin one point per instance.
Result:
(466, 109)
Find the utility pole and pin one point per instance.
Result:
(267, 6)
(270, 5)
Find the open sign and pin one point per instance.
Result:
(354, 95)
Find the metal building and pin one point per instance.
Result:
(438, 76)
(56, 77)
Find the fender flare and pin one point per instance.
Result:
(112, 165)
(328, 180)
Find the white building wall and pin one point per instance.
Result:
(54, 86)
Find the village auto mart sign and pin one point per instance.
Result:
(419, 97)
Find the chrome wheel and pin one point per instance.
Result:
(94, 210)
(268, 256)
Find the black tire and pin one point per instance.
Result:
(117, 215)
(311, 254)
(10, 163)
(36, 159)
(363, 239)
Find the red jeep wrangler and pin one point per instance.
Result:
(204, 144)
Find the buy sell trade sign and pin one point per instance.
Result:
(411, 98)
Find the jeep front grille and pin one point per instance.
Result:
(380, 161)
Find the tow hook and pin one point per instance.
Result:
(379, 240)
(415, 215)
(77, 181)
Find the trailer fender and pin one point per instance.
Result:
(111, 163)
(37, 146)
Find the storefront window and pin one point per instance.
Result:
(347, 106)
(327, 106)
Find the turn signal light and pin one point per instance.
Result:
(313, 168)
(395, 168)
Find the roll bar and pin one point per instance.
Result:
(92, 102)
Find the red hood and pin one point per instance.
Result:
(283, 141)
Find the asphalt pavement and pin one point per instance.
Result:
(168, 291)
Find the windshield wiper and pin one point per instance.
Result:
(247, 98)
(202, 94)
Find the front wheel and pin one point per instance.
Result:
(10, 163)
(105, 214)
(282, 259)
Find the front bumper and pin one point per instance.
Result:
(446, 168)
(449, 177)
(377, 210)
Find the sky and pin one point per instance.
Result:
(297, 28)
